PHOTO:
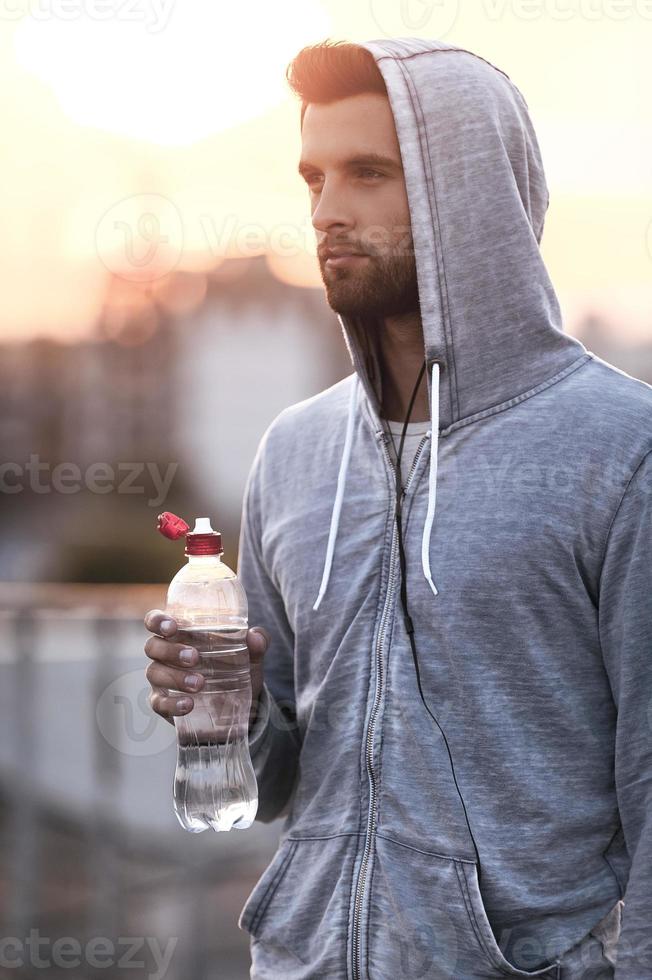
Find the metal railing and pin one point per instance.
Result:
(92, 849)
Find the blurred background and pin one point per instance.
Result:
(160, 303)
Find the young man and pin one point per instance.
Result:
(456, 709)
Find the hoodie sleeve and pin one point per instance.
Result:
(625, 619)
(274, 742)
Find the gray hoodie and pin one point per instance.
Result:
(514, 835)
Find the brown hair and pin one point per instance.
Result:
(331, 70)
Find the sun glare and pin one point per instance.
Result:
(173, 73)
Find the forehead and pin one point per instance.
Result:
(357, 124)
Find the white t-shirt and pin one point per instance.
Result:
(413, 435)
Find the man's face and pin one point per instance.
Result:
(360, 204)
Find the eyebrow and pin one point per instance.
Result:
(360, 160)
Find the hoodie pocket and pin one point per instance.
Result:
(298, 910)
(468, 877)
(263, 891)
(592, 958)
(427, 920)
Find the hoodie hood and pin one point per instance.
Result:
(478, 197)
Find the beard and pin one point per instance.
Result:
(385, 285)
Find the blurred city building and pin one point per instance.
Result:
(172, 391)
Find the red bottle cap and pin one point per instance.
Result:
(171, 526)
(202, 540)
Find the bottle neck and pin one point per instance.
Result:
(204, 559)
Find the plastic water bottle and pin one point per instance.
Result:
(214, 784)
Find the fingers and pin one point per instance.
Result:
(169, 652)
(173, 679)
(158, 621)
(258, 640)
(167, 705)
(172, 662)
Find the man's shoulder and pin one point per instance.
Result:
(616, 402)
(304, 419)
(295, 434)
(612, 380)
(612, 392)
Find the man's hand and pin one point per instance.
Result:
(173, 660)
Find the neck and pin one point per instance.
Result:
(401, 354)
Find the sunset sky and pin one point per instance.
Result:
(134, 130)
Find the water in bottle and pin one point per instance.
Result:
(215, 784)
(213, 737)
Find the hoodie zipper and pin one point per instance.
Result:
(371, 815)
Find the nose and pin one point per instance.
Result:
(330, 211)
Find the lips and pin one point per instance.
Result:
(338, 251)
(350, 258)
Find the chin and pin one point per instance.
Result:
(345, 297)
(339, 299)
(347, 310)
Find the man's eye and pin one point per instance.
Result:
(366, 172)
(310, 180)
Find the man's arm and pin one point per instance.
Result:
(274, 741)
(625, 619)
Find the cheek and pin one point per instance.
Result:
(402, 236)
(385, 226)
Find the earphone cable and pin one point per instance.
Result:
(409, 626)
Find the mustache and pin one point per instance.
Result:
(387, 251)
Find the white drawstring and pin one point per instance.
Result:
(339, 495)
(432, 477)
(341, 480)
